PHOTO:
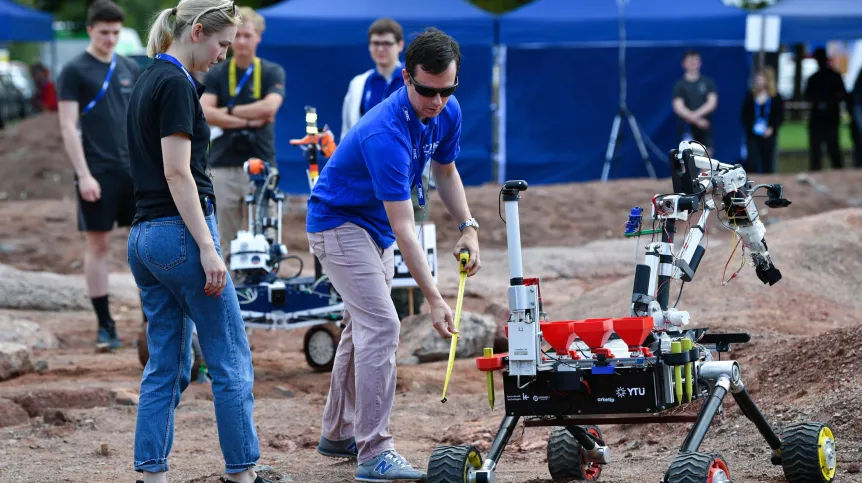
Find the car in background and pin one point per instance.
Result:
(18, 89)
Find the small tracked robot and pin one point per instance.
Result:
(643, 368)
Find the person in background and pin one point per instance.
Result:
(46, 92)
(242, 98)
(762, 115)
(174, 249)
(95, 87)
(824, 93)
(694, 101)
(854, 105)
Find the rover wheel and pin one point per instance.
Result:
(319, 346)
(808, 453)
(566, 460)
(453, 464)
(697, 468)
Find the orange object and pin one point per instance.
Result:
(594, 332)
(327, 143)
(308, 139)
(255, 166)
(493, 363)
(633, 330)
(560, 334)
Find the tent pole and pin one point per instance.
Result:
(501, 114)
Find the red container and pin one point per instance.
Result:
(633, 330)
(594, 332)
(560, 334)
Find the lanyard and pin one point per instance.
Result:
(234, 89)
(105, 85)
(766, 107)
(173, 60)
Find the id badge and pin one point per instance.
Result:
(420, 193)
(760, 127)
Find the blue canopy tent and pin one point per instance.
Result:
(322, 44)
(817, 20)
(562, 83)
(23, 24)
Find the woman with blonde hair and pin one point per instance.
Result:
(174, 250)
(762, 115)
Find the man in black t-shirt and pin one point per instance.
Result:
(694, 100)
(241, 100)
(824, 93)
(94, 89)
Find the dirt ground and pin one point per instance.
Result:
(802, 362)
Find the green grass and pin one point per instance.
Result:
(793, 136)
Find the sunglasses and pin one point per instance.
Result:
(426, 91)
(227, 7)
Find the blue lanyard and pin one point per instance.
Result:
(766, 108)
(241, 84)
(105, 85)
(173, 60)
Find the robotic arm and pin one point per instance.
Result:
(697, 181)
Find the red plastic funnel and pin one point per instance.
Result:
(560, 334)
(594, 332)
(633, 330)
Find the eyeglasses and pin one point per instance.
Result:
(382, 44)
(426, 91)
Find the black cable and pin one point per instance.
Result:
(500, 205)
(680, 294)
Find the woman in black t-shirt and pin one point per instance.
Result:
(174, 249)
(762, 116)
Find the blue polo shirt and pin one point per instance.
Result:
(378, 88)
(381, 159)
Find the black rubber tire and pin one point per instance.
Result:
(449, 464)
(144, 351)
(800, 453)
(691, 467)
(565, 462)
(320, 331)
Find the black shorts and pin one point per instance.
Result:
(116, 206)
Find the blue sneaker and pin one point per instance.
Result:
(388, 466)
(338, 449)
(103, 340)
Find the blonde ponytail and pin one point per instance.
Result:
(213, 15)
(161, 33)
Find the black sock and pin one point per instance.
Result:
(103, 313)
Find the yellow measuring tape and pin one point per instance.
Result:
(464, 259)
(231, 79)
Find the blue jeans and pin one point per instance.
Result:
(165, 260)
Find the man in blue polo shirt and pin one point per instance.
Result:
(358, 208)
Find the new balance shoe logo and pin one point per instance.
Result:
(383, 467)
(352, 448)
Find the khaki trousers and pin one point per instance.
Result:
(362, 389)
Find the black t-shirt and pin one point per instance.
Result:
(163, 103)
(103, 129)
(694, 94)
(226, 152)
(825, 91)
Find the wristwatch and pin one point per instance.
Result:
(471, 222)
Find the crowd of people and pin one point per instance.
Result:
(695, 98)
